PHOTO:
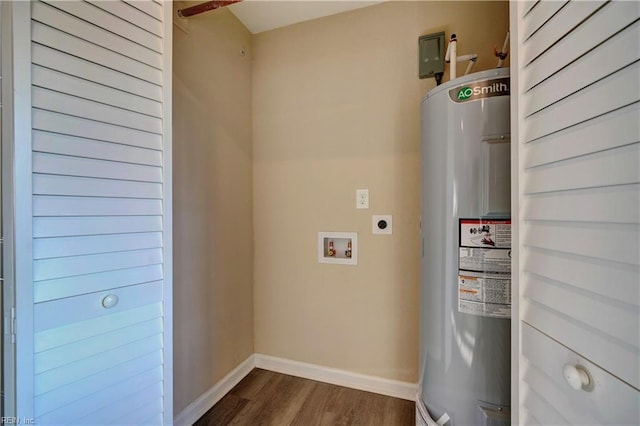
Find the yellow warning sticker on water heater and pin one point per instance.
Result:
(484, 267)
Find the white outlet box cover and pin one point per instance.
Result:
(376, 218)
(362, 198)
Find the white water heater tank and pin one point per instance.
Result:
(466, 263)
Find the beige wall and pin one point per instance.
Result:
(336, 106)
(213, 225)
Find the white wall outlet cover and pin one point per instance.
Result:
(382, 224)
(362, 198)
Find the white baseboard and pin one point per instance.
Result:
(200, 406)
(334, 376)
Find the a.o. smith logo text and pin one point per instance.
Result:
(480, 90)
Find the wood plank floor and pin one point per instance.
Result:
(267, 398)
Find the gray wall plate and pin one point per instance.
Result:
(431, 54)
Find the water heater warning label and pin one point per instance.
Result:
(484, 263)
(485, 233)
(485, 260)
(488, 296)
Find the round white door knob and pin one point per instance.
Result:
(577, 376)
(110, 301)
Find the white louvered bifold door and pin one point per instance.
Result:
(578, 91)
(99, 80)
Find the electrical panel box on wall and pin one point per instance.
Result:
(431, 54)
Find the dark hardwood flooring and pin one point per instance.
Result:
(268, 398)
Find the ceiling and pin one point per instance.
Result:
(264, 15)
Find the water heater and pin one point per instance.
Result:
(466, 262)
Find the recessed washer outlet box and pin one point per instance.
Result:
(338, 247)
(382, 224)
